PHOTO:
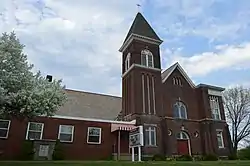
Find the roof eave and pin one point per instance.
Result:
(210, 87)
(140, 38)
(177, 65)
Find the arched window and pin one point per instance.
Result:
(180, 110)
(182, 135)
(147, 58)
(177, 81)
(127, 62)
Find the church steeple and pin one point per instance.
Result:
(141, 70)
(140, 28)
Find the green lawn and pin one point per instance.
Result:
(113, 163)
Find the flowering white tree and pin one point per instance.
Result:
(24, 94)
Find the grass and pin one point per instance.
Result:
(114, 163)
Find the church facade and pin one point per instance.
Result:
(178, 117)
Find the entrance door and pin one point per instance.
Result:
(183, 143)
(182, 147)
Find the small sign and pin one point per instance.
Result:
(136, 141)
(43, 150)
(136, 137)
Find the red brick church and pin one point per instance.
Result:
(178, 117)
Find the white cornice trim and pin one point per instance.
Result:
(140, 66)
(93, 120)
(195, 120)
(177, 65)
(140, 38)
(214, 92)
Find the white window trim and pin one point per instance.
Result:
(181, 136)
(220, 134)
(100, 136)
(72, 134)
(214, 113)
(216, 105)
(179, 110)
(8, 129)
(27, 132)
(150, 129)
(177, 81)
(127, 62)
(147, 55)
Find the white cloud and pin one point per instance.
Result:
(227, 57)
(201, 18)
(77, 41)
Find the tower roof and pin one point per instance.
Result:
(141, 27)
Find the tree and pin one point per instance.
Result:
(237, 108)
(24, 94)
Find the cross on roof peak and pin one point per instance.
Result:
(138, 7)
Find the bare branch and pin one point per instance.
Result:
(237, 108)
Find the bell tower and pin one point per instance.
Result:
(141, 71)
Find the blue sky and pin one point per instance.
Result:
(78, 40)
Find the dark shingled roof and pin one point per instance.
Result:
(90, 105)
(168, 70)
(140, 26)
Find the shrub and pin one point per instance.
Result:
(184, 158)
(147, 158)
(198, 158)
(232, 157)
(58, 151)
(27, 150)
(244, 154)
(158, 157)
(170, 159)
(210, 157)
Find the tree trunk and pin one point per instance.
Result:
(235, 148)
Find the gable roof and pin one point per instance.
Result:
(170, 70)
(90, 105)
(141, 27)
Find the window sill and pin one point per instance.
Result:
(218, 120)
(33, 139)
(151, 146)
(180, 118)
(94, 143)
(66, 141)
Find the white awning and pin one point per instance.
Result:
(122, 127)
